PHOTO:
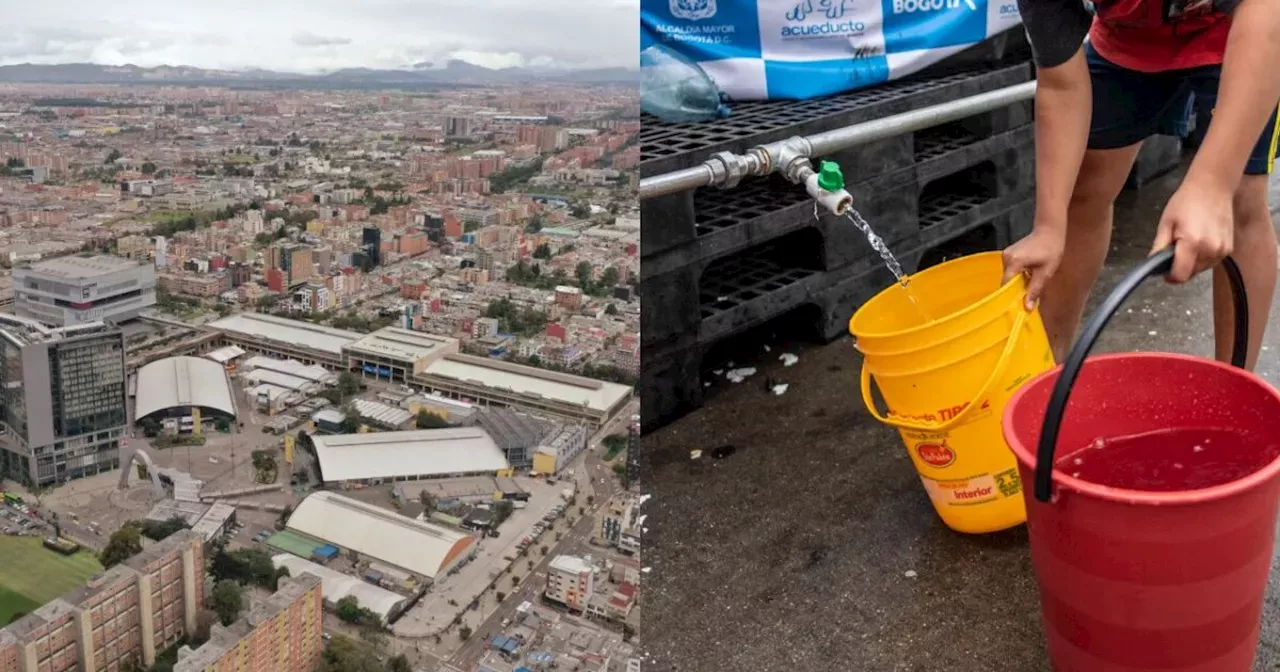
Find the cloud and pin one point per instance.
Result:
(306, 39)
(238, 34)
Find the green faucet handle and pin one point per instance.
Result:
(829, 176)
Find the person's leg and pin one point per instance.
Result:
(1255, 254)
(1254, 246)
(1128, 107)
(1102, 176)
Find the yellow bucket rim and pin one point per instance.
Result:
(997, 295)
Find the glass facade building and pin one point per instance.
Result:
(63, 407)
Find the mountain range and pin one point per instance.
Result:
(420, 75)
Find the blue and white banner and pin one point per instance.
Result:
(797, 49)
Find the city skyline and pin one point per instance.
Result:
(319, 37)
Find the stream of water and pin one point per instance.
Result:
(877, 243)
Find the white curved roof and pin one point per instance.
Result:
(336, 585)
(176, 382)
(422, 548)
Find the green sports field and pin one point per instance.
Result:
(31, 574)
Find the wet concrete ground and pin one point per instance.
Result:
(791, 553)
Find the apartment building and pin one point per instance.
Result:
(119, 620)
(62, 400)
(68, 291)
(615, 524)
(570, 581)
(282, 634)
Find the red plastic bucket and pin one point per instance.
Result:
(1140, 573)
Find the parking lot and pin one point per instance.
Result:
(20, 520)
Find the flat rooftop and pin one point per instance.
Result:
(596, 395)
(80, 268)
(457, 450)
(403, 344)
(284, 330)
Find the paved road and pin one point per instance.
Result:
(576, 540)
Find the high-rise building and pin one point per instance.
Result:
(119, 619)
(66, 291)
(296, 262)
(62, 400)
(281, 634)
(372, 244)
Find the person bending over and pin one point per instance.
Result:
(1145, 65)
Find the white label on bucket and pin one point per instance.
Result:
(962, 491)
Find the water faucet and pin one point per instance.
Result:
(825, 185)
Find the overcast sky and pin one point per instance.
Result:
(318, 35)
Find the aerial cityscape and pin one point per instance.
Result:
(325, 367)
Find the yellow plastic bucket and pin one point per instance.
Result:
(946, 357)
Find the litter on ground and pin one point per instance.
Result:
(695, 454)
(779, 389)
(739, 375)
(910, 574)
(788, 359)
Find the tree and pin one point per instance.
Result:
(350, 421)
(428, 502)
(281, 573)
(227, 601)
(464, 633)
(348, 384)
(348, 609)
(515, 580)
(124, 543)
(429, 420)
(284, 516)
(542, 251)
(609, 277)
(112, 156)
(148, 168)
(344, 654)
(581, 210)
(150, 427)
(161, 530)
(398, 663)
(543, 549)
(244, 565)
(611, 309)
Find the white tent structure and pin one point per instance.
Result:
(182, 383)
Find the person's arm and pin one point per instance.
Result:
(1064, 107)
(1199, 216)
(1247, 95)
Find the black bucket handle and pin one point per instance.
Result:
(1157, 264)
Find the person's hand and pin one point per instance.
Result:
(1199, 218)
(1037, 256)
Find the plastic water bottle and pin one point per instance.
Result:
(675, 89)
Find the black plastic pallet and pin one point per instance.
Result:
(728, 221)
(672, 377)
(665, 147)
(679, 221)
(907, 209)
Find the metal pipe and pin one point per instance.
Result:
(726, 169)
